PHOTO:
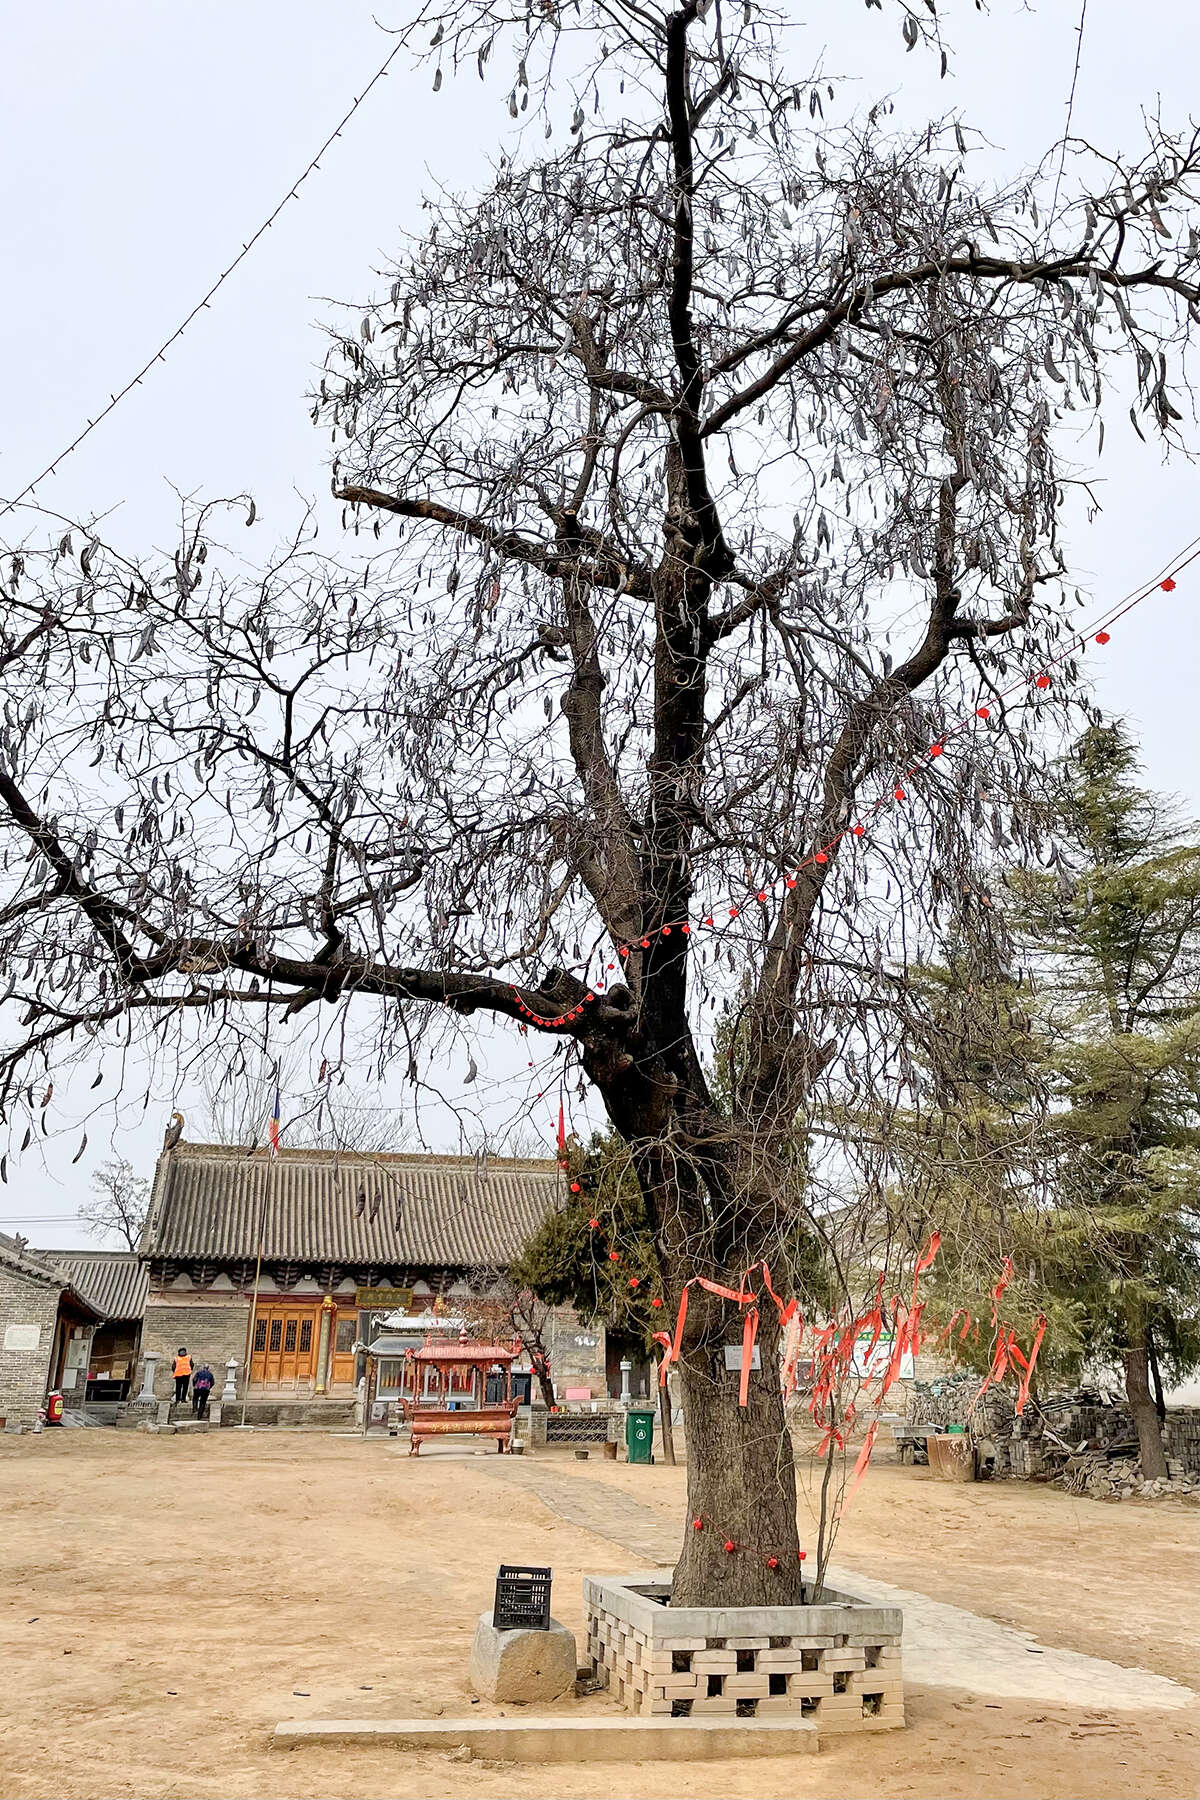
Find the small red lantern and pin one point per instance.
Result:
(575, 1188)
(697, 1524)
(1167, 586)
(772, 1562)
(983, 712)
(1043, 681)
(656, 1301)
(1102, 637)
(936, 749)
(634, 1281)
(821, 856)
(900, 794)
(613, 1256)
(730, 1546)
(593, 1224)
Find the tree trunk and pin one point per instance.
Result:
(741, 1485)
(664, 1421)
(1151, 1454)
(1160, 1402)
(545, 1383)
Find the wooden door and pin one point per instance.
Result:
(342, 1360)
(284, 1355)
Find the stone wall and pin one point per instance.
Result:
(213, 1326)
(32, 1304)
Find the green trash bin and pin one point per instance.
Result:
(639, 1434)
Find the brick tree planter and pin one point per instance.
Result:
(836, 1665)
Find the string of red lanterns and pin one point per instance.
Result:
(898, 794)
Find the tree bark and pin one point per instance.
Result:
(741, 1484)
(1152, 1457)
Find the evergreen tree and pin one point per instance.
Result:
(1116, 930)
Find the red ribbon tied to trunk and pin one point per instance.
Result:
(740, 1296)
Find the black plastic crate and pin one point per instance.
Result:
(522, 1598)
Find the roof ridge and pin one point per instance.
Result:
(321, 1152)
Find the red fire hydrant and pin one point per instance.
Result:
(54, 1408)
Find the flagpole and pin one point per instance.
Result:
(268, 1185)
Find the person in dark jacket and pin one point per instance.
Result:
(203, 1382)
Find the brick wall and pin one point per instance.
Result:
(213, 1326)
(24, 1373)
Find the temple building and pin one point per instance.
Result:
(115, 1282)
(46, 1330)
(283, 1264)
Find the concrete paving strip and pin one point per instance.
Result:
(944, 1646)
(947, 1646)
(564, 1740)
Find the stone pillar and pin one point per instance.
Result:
(229, 1391)
(149, 1365)
(626, 1370)
(323, 1342)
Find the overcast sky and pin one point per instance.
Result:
(144, 143)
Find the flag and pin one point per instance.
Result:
(273, 1127)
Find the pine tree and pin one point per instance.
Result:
(1115, 927)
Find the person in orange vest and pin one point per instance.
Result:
(182, 1371)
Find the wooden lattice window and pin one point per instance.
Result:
(260, 1336)
(305, 1335)
(276, 1333)
(289, 1337)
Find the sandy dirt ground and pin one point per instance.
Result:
(166, 1600)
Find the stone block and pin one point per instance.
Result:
(715, 1662)
(748, 1687)
(522, 1666)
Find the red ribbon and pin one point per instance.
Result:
(749, 1333)
(860, 1467)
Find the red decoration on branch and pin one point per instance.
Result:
(697, 1524)
(730, 1546)
(821, 854)
(772, 1562)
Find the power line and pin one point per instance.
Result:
(116, 399)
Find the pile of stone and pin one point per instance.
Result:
(1106, 1478)
(1083, 1440)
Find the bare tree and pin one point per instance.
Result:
(499, 1305)
(122, 1200)
(712, 470)
(240, 1097)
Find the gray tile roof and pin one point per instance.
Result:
(345, 1207)
(15, 1255)
(33, 1265)
(115, 1281)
